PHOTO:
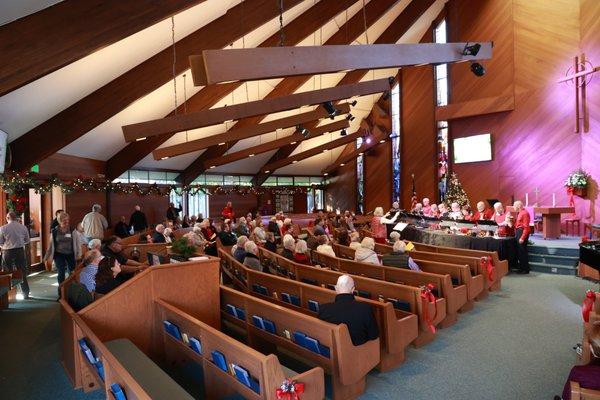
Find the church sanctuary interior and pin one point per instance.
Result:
(300, 199)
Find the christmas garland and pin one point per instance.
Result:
(16, 184)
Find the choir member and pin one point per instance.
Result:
(228, 212)
(499, 215)
(443, 210)
(456, 212)
(378, 227)
(522, 231)
(418, 209)
(482, 212)
(426, 207)
(434, 212)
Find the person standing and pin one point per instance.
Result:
(55, 223)
(173, 212)
(228, 212)
(94, 224)
(522, 231)
(63, 247)
(122, 229)
(138, 220)
(13, 238)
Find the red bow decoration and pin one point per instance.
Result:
(588, 304)
(486, 262)
(428, 297)
(289, 390)
(570, 192)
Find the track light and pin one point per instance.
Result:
(305, 132)
(471, 50)
(368, 140)
(354, 103)
(140, 139)
(386, 95)
(342, 164)
(267, 171)
(350, 117)
(477, 69)
(343, 132)
(382, 141)
(331, 110)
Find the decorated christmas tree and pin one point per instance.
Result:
(455, 192)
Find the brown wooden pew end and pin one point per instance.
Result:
(448, 321)
(390, 361)
(483, 295)
(469, 305)
(425, 337)
(496, 286)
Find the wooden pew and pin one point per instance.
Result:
(144, 248)
(266, 369)
(408, 294)
(5, 288)
(348, 377)
(396, 331)
(463, 290)
(579, 393)
(500, 267)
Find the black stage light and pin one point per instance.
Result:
(471, 50)
(350, 117)
(343, 132)
(331, 110)
(305, 132)
(386, 95)
(353, 103)
(477, 69)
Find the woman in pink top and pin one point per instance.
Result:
(378, 228)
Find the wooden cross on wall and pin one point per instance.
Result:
(578, 74)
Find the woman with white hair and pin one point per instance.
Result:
(238, 251)
(394, 237)
(259, 233)
(251, 260)
(168, 233)
(324, 247)
(194, 236)
(398, 258)
(289, 245)
(287, 227)
(377, 226)
(366, 252)
(301, 253)
(242, 227)
(354, 240)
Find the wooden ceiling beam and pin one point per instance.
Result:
(215, 116)
(47, 40)
(392, 34)
(112, 98)
(247, 132)
(295, 31)
(275, 144)
(345, 34)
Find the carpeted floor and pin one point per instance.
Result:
(515, 345)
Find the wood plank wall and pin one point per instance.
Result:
(341, 191)
(378, 177)
(534, 145)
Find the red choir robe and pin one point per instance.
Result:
(487, 214)
(228, 213)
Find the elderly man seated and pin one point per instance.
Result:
(398, 258)
(238, 250)
(418, 209)
(158, 234)
(358, 316)
(112, 249)
(251, 260)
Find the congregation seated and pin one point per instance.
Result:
(366, 252)
(270, 242)
(112, 249)
(343, 237)
(587, 376)
(121, 228)
(273, 226)
(357, 316)
(354, 240)
(251, 259)
(225, 235)
(259, 233)
(289, 245)
(348, 221)
(426, 204)
(210, 236)
(417, 209)
(168, 234)
(195, 237)
(301, 253)
(238, 251)
(288, 228)
(394, 237)
(242, 227)
(467, 215)
(158, 234)
(87, 276)
(324, 247)
(319, 228)
(443, 210)
(434, 211)
(398, 258)
(95, 244)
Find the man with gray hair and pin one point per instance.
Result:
(358, 316)
(94, 224)
(13, 238)
(522, 231)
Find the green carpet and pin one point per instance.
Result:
(515, 345)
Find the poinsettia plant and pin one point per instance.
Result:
(17, 203)
(577, 179)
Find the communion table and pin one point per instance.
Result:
(551, 219)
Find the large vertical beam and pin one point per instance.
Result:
(295, 31)
(392, 34)
(104, 103)
(346, 34)
(43, 42)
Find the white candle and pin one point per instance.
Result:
(553, 199)
(526, 199)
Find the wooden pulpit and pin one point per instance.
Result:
(551, 220)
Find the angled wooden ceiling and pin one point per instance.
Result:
(138, 92)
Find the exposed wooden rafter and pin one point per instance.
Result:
(346, 34)
(295, 31)
(222, 139)
(275, 144)
(215, 116)
(112, 98)
(392, 34)
(47, 40)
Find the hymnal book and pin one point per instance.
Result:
(295, 300)
(399, 305)
(324, 351)
(100, 369)
(244, 377)
(269, 326)
(400, 226)
(264, 290)
(363, 293)
(172, 330)
(87, 351)
(313, 306)
(196, 345)
(258, 322)
(240, 313)
(219, 360)
(117, 392)
(285, 297)
(231, 310)
(300, 339)
(309, 281)
(312, 344)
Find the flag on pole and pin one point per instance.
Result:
(413, 200)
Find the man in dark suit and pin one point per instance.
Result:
(357, 316)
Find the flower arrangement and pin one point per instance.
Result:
(577, 179)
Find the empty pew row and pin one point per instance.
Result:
(104, 344)
(444, 285)
(255, 375)
(397, 328)
(460, 274)
(316, 342)
(406, 298)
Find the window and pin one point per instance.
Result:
(441, 86)
(395, 143)
(176, 197)
(198, 204)
(285, 181)
(360, 181)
